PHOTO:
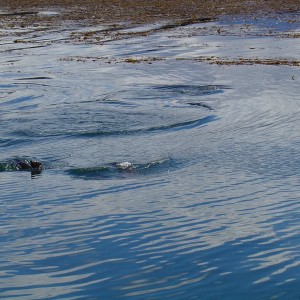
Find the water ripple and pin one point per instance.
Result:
(145, 245)
(124, 169)
(202, 162)
(163, 128)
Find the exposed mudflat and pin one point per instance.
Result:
(139, 11)
(99, 22)
(51, 13)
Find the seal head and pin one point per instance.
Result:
(34, 166)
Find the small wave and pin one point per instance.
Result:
(5, 167)
(7, 86)
(199, 104)
(123, 170)
(19, 100)
(102, 172)
(165, 128)
(192, 90)
(35, 78)
(12, 164)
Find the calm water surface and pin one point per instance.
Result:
(166, 180)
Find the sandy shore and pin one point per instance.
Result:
(142, 11)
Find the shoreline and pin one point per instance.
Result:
(137, 11)
(100, 22)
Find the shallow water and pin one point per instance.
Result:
(169, 179)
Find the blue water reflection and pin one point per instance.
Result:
(166, 180)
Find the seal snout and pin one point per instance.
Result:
(36, 165)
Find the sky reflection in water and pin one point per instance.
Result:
(210, 209)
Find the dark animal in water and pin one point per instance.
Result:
(34, 166)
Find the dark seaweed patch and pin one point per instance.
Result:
(19, 13)
(186, 23)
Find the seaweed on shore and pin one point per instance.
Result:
(249, 61)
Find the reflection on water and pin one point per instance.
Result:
(169, 180)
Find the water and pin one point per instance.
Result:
(165, 179)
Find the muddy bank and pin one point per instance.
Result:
(29, 24)
(134, 11)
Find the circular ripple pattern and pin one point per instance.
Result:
(169, 180)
